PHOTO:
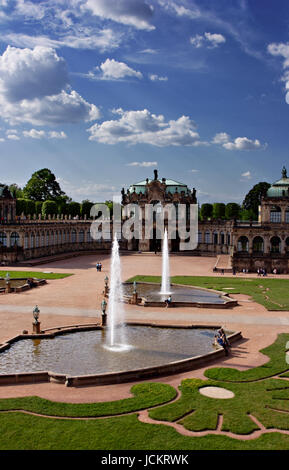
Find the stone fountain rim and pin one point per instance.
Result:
(111, 377)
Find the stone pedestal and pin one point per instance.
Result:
(134, 299)
(8, 288)
(36, 328)
(103, 319)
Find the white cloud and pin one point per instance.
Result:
(209, 40)
(104, 39)
(143, 127)
(113, 70)
(129, 12)
(41, 134)
(194, 171)
(88, 189)
(282, 50)
(180, 10)
(247, 175)
(157, 78)
(30, 9)
(13, 137)
(221, 138)
(27, 74)
(57, 135)
(34, 89)
(243, 143)
(143, 164)
(240, 143)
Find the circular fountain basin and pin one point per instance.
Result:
(83, 357)
(181, 295)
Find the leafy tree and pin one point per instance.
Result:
(219, 209)
(232, 210)
(43, 186)
(20, 206)
(206, 211)
(38, 207)
(30, 207)
(15, 190)
(253, 198)
(49, 208)
(73, 209)
(86, 205)
(247, 214)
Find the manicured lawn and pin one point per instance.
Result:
(257, 393)
(271, 293)
(36, 274)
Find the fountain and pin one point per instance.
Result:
(116, 329)
(166, 285)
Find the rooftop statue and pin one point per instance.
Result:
(284, 172)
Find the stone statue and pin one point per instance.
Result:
(156, 174)
(284, 172)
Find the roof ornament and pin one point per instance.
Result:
(156, 174)
(284, 172)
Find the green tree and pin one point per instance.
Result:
(206, 211)
(38, 207)
(73, 209)
(20, 206)
(15, 190)
(86, 205)
(232, 210)
(49, 208)
(253, 198)
(30, 207)
(219, 209)
(42, 186)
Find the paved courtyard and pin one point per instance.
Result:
(76, 299)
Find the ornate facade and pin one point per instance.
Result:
(251, 245)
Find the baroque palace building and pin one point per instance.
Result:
(250, 245)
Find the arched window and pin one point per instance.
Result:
(222, 236)
(37, 240)
(208, 237)
(287, 215)
(32, 240)
(14, 239)
(47, 238)
(42, 239)
(26, 238)
(200, 237)
(275, 245)
(73, 236)
(275, 214)
(243, 244)
(3, 239)
(216, 238)
(228, 239)
(81, 236)
(258, 245)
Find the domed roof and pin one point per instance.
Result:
(281, 187)
(171, 186)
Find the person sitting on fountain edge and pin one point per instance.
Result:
(168, 301)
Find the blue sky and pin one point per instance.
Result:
(102, 92)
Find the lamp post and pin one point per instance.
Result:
(8, 283)
(36, 323)
(134, 295)
(106, 288)
(103, 312)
